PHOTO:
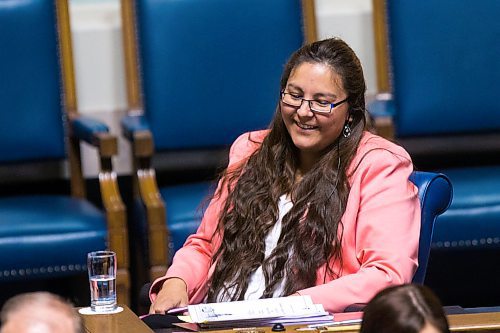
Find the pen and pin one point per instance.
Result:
(177, 310)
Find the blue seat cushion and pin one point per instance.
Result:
(185, 206)
(47, 235)
(473, 219)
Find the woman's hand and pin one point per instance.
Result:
(173, 294)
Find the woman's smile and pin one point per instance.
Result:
(306, 127)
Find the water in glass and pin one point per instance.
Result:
(102, 293)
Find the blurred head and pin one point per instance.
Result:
(407, 309)
(39, 312)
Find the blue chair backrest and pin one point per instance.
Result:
(445, 65)
(435, 193)
(211, 68)
(30, 87)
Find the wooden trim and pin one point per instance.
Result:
(384, 126)
(156, 216)
(113, 204)
(70, 102)
(78, 188)
(117, 231)
(145, 184)
(108, 145)
(309, 21)
(129, 31)
(381, 46)
(143, 145)
(66, 51)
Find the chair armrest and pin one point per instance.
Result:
(135, 128)
(87, 129)
(382, 111)
(95, 133)
(131, 124)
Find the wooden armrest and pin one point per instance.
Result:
(136, 130)
(381, 111)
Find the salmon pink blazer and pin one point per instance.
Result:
(381, 229)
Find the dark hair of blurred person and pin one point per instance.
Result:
(406, 308)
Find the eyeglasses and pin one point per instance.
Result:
(315, 106)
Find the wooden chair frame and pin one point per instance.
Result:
(107, 147)
(384, 126)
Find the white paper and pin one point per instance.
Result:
(261, 312)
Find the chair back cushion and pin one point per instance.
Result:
(211, 68)
(186, 205)
(30, 82)
(473, 220)
(435, 194)
(445, 67)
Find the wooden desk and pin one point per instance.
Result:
(123, 322)
(475, 322)
(126, 321)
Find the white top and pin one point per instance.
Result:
(257, 284)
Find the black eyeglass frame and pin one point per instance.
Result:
(332, 105)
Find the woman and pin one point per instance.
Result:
(315, 205)
(405, 309)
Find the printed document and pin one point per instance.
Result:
(260, 312)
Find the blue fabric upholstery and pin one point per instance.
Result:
(44, 235)
(29, 83)
(444, 57)
(445, 73)
(185, 206)
(435, 193)
(86, 128)
(132, 124)
(210, 71)
(213, 67)
(47, 235)
(441, 86)
(473, 219)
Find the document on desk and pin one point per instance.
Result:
(261, 312)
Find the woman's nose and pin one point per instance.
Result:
(304, 109)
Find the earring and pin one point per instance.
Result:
(346, 132)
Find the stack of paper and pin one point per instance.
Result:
(291, 310)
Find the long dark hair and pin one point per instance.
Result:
(311, 232)
(404, 309)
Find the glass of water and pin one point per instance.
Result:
(102, 277)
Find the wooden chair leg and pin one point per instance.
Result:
(123, 286)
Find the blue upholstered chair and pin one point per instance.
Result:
(442, 59)
(209, 71)
(435, 193)
(44, 234)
